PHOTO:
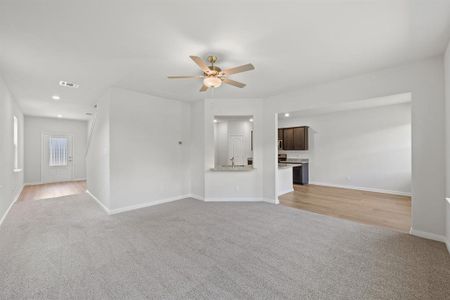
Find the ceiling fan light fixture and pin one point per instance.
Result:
(212, 82)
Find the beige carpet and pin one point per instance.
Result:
(68, 248)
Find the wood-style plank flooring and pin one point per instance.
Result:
(385, 210)
(52, 190)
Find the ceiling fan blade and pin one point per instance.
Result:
(234, 83)
(184, 77)
(239, 69)
(204, 88)
(200, 63)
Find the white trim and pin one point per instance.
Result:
(32, 183)
(271, 201)
(285, 191)
(448, 223)
(99, 202)
(11, 205)
(362, 188)
(234, 199)
(40, 182)
(146, 204)
(197, 197)
(239, 199)
(17, 170)
(428, 235)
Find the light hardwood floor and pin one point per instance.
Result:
(385, 210)
(52, 190)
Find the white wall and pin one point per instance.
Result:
(147, 162)
(197, 150)
(368, 149)
(447, 139)
(425, 80)
(35, 127)
(98, 153)
(221, 143)
(233, 186)
(11, 182)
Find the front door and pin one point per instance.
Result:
(57, 158)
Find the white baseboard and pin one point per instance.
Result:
(40, 182)
(78, 179)
(399, 193)
(99, 202)
(429, 235)
(234, 199)
(271, 201)
(285, 191)
(146, 204)
(11, 205)
(195, 196)
(32, 183)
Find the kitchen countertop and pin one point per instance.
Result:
(296, 160)
(232, 169)
(289, 165)
(292, 162)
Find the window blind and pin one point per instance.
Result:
(58, 155)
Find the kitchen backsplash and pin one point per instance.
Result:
(296, 154)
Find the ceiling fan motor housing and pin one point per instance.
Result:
(215, 70)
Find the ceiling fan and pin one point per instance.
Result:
(213, 76)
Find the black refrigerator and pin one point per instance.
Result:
(300, 174)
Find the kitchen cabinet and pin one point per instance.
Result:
(280, 139)
(294, 138)
(301, 138)
(288, 141)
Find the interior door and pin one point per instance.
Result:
(236, 149)
(57, 158)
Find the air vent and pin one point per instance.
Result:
(69, 84)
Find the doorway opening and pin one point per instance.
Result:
(57, 170)
(350, 161)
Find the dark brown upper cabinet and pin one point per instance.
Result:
(295, 138)
(280, 134)
(288, 141)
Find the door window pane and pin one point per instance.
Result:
(58, 152)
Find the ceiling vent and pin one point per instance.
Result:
(69, 84)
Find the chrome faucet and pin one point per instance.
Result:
(232, 162)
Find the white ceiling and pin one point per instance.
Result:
(404, 98)
(136, 44)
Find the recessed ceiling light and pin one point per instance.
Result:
(251, 120)
(215, 121)
(56, 97)
(59, 116)
(286, 115)
(69, 84)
